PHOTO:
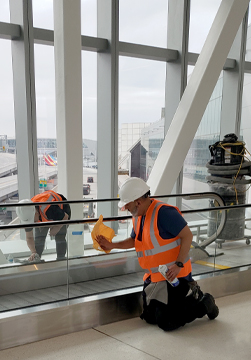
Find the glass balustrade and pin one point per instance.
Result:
(70, 267)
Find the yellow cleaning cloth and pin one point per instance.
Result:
(101, 229)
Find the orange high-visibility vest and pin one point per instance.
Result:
(153, 250)
(48, 195)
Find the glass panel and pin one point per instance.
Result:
(35, 279)
(8, 165)
(89, 124)
(202, 15)
(143, 22)
(4, 11)
(194, 170)
(89, 89)
(43, 14)
(246, 124)
(89, 17)
(141, 99)
(99, 272)
(46, 117)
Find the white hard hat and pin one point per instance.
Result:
(132, 189)
(25, 213)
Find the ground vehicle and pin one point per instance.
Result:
(88, 210)
(86, 189)
(90, 179)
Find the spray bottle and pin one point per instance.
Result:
(163, 270)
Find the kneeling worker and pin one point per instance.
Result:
(161, 236)
(45, 213)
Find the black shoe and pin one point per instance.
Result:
(168, 326)
(211, 307)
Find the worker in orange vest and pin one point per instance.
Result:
(161, 237)
(45, 213)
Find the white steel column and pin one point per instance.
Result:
(196, 96)
(24, 99)
(176, 72)
(67, 47)
(233, 84)
(107, 112)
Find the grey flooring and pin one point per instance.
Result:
(226, 337)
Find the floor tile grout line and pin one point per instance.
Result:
(133, 347)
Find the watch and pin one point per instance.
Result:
(179, 264)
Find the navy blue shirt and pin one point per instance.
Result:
(55, 213)
(170, 222)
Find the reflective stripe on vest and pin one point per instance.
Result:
(49, 196)
(155, 251)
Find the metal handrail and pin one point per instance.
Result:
(188, 196)
(108, 199)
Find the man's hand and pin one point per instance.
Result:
(32, 257)
(104, 243)
(172, 272)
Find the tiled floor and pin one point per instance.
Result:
(226, 338)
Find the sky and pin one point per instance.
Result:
(141, 82)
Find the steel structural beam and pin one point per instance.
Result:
(229, 63)
(147, 52)
(196, 96)
(231, 104)
(69, 100)
(247, 67)
(176, 72)
(24, 99)
(107, 108)
(10, 31)
(89, 43)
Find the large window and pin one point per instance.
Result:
(141, 98)
(46, 117)
(195, 170)
(89, 124)
(246, 117)
(6, 90)
(141, 90)
(89, 17)
(202, 15)
(143, 22)
(43, 14)
(5, 11)
(8, 165)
